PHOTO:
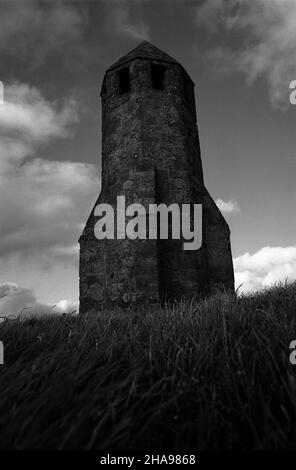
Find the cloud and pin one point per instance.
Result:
(265, 267)
(28, 114)
(257, 38)
(42, 202)
(32, 29)
(15, 301)
(66, 306)
(7, 288)
(124, 21)
(229, 207)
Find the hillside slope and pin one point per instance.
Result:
(207, 375)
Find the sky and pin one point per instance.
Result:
(53, 55)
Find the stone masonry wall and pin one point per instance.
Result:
(151, 154)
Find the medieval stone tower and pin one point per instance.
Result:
(151, 154)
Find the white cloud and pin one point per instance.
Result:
(7, 288)
(43, 203)
(229, 207)
(265, 267)
(263, 34)
(66, 306)
(26, 112)
(19, 301)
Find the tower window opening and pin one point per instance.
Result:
(187, 89)
(189, 96)
(158, 76)
(124, 81)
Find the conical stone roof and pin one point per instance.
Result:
(145, 50)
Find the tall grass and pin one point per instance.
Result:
(213, 374)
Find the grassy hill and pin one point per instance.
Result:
(213, 374)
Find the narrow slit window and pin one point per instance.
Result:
(158, 76)
(189, 96)
(186, 89)
(124, 81)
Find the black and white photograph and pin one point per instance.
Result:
(147, 229)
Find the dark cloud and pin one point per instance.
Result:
(30, 30)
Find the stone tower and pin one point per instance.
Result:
(151, 154)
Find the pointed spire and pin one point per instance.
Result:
(144, 50)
